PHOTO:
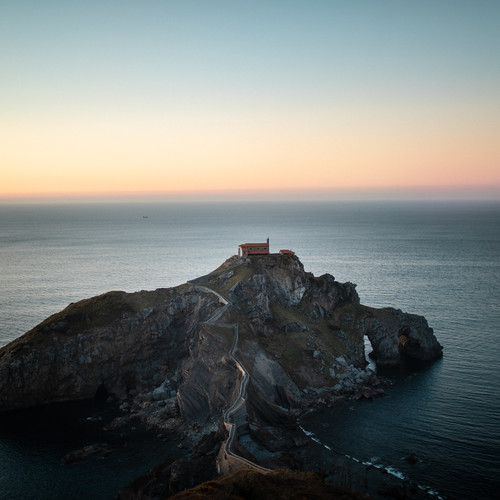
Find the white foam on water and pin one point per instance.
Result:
(373, 463)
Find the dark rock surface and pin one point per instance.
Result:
(282, 484)
(171, 477)
(86, 452)
(114, 343)
(395, 334)
(164, 357)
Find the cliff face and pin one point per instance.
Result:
(299, 334)
(115, 343)
(231, 359)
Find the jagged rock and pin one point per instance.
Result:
(166, 356)
(114, 343)
(293, 327)
(171, 476)
(394, 334)
(271, 380)
(326, 295)
(127, 345)
(209, 379)
(84, 453)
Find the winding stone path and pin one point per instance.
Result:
(240, 400)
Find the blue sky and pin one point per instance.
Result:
(415, 84)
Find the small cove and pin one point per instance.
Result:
(33, 443)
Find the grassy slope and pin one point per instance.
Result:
(88, 314)
(290, 349)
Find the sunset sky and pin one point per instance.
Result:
(172, 98)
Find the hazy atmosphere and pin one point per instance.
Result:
(175, 98)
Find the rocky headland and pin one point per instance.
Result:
(231, 359)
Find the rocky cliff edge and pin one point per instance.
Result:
(171, 358)
(298, 334)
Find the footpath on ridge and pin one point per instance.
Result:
(228, 414)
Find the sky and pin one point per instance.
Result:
(167, 99)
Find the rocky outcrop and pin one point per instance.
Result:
(299, 335)
(171, 477)
(115, 344)
(395, 335)
(172, 357)
(273, 383)
(210, 379)
(85, 453)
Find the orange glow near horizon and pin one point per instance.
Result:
(180, 98)
(63, 157)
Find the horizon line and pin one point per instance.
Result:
(401, 193)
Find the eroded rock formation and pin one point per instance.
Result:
(164, 355)
(116, 343)
(299, 334)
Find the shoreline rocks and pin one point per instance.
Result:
(86, 452)
(163, 356)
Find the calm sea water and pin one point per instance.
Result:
(441, 260)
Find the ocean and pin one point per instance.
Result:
(438, 259)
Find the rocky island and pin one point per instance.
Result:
(231, 359)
